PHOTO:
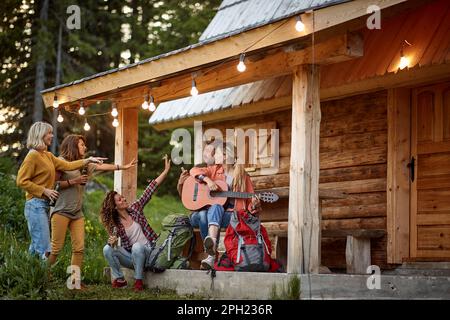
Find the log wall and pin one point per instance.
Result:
(353, 155)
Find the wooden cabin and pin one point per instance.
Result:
(364, 146)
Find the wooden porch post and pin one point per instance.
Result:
(304, 219)
(126, 147)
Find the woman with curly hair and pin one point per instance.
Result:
(127, 222)
(67, 212)
(37, 177)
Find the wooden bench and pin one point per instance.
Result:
(357, 252)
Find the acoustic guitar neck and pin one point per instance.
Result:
(232, 194)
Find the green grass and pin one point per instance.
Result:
(25, 277)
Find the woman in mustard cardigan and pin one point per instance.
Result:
(37, 177)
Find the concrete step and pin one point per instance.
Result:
(255, 285)
(436, 269)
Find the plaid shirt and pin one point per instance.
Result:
(136, 211)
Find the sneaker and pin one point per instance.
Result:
(207, 263)
(138, 285)
(119, 283)
(210, 245)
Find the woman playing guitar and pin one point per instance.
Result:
(210, 219)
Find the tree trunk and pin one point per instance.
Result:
(57, 82)
(40, 65)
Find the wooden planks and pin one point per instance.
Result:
(304, 219)
(398, 186)
(125, 182)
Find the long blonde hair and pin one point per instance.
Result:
(239, 173)
(36, 135)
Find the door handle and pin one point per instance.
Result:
(411, 165)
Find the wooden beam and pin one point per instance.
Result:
(402, 78)
(399, 140)
(125, 182)
(278, 62)
(304, 218)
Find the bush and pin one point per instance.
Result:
(22, 276)
(12, 201)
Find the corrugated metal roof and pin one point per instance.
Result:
(235, 15)
(221, 99)
(430, 45)
(229, 20)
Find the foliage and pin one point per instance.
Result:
(113, 33)
(292, 292)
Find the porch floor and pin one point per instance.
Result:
(254, 285)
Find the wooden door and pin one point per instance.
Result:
(430, 190)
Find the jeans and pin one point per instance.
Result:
(36, 213)
(136, 259)
(214, 215)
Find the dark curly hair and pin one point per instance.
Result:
(109, 214)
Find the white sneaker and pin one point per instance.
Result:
(210, 245)
(208, 263)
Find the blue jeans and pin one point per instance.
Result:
(36, 213)
(135, 259)
(214, 215)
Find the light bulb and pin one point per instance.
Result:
(60, 118)
(115, 123)
(114, 112)
(404, 62)
(55, 102)
(299, 25)
(81, 111)
(87, 127)
(194, 90)
(151, 106)
(241, 65)
(145, 103)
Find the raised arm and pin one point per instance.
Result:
(140, 203)
(112, 167)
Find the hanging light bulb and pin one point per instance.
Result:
(114, 111)
(151, 106)
(115, 123)
(145, 103)
(81, 111)
(87, 127)
(60, 118)
(55, 102)
(404, 61)
(299, 25)
(241, 66)
(194, 90)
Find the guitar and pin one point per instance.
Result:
(196, 195)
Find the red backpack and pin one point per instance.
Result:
(247, 245)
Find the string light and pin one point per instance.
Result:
(87, 127)
(194, 90)
(145, 103)
(152, 106)
(241, 65)
(114, 111)
(81, 111)
(60, 118)
(115, 123)
(299, 25)
(55, 102)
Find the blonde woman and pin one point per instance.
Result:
(37, 177)
(211, 219)
(67, 213)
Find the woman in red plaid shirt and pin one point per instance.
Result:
(127, 224)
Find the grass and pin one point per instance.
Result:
(25, 277)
